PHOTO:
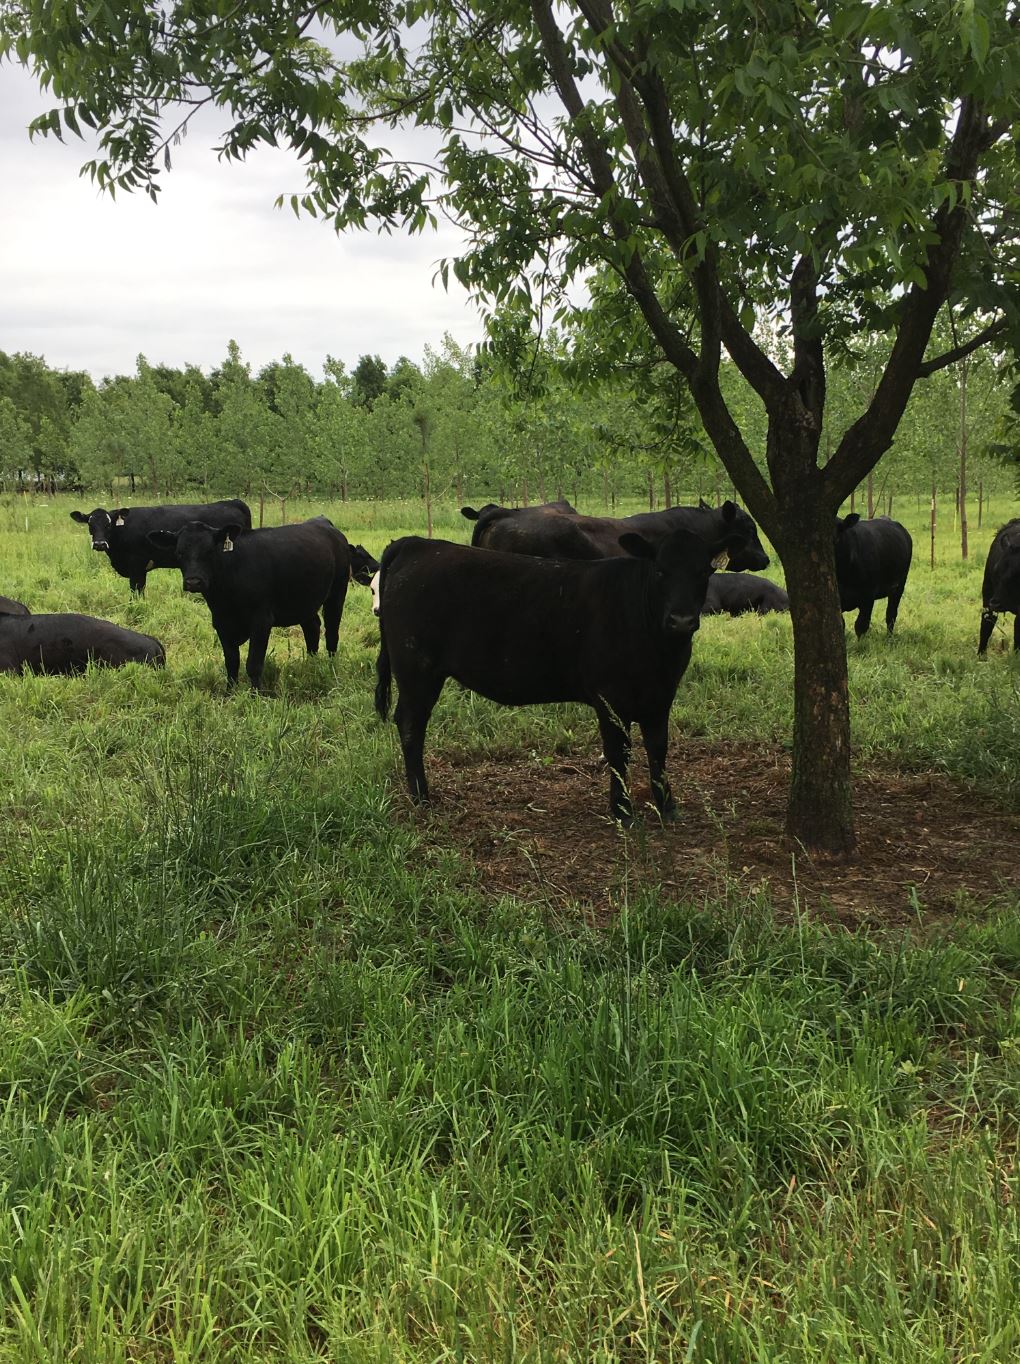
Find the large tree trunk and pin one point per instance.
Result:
(963, 459)
(820, 811)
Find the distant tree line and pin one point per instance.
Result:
(521, 420)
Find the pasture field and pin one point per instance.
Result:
(288, 1075)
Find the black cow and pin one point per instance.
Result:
(736, 594)
(257, 579)
(68, 643)
(123, 534)
(872, 561)
(556, 531)
(10, 607)
(615, 634)
(492, 510)
(1000, 590)
(363, 566)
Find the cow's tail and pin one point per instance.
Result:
(383, 675)
(383, 672)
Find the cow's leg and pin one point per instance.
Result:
(988, 619)
(332, 610)
(863, 622)
(258, 643)
(655, 734)
(137, 581)
(1016, 632)
(232, 660)
(616, 747)
(893, 605)
(411, 716)
(310, 630)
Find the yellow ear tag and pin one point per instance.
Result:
(228, 545)
(721, 560)
(119, 521)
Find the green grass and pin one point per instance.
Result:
(279, 1080)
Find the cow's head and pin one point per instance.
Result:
(747, 551)
(846, 544)
(1006, 581)
(104, 526)
(376, 586)
(363, 566)
(683, 562)
(199, 548)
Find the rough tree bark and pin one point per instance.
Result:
(820, 809)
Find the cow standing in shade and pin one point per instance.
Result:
(615, 634)
(254, 581)
(556, 531)
(1000, 590)
(872, 561)
(123, 534)
(67, 643)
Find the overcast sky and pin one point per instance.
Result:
(89, 282)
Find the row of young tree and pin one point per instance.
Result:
(523, 420)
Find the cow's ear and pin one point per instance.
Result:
(162, 539)
(850, 520)
(226, 535)
(722, 550)
(703, 505)
(119, 516)
(637, 546)
(80, 517)
(729, 510)
(470, 513)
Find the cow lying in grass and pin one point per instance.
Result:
(613, 633)
(67, 643)
(739, 594)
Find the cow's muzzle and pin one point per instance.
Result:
(101, 545)
(193, 584)
(682, 625)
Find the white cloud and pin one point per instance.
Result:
(89, 282)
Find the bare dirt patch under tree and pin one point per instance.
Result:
(536, 827)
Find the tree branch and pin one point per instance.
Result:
(961, 352)
(871, 435)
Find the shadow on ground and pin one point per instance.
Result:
(536, 827)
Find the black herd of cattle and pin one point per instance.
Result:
(545, 605)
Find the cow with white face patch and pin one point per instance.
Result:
(376, 586)
(122, 534)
